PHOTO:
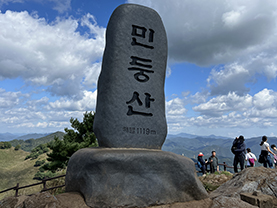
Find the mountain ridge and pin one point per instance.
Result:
(190, 147)
(29, 144)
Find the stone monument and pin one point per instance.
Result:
(129, 169)
(130, 110)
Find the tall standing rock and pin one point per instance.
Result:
(130, 117)
(130, 110)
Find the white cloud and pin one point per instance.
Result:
(49, 54)
(2, 2)
(87, 103)
(185, 93)
(232, 18)
(61, 5)
(199, 97)
(225, 103)
(271, 71)
(175, 107)
(231, 78)
(265, 99)
(168, 71)
(21, 113)
(10, 99)
(239, 37)
(230, 111)
(91, 74)
(224, 31)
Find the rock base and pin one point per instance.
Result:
(261, 200)
(132, 177)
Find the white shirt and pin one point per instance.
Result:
(264, 146)
(249, 155)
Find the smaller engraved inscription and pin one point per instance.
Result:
(136, 130)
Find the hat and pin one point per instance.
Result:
(200, 154)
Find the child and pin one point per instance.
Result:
(202, 162)
(275, 152)
(250, 158)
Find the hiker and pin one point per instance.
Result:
(265, 150)
(250, 158)
(213, 161)
(202, 163)
(274, 150)
(239, 151)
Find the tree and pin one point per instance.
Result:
(17, 147)
(79, 137)
(37, 151)
(39, 163)
(5, 145)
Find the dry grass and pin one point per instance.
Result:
(14, 169)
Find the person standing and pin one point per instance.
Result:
(274, 150)
(213, 160)
(250, 158)
(265, 150)
(202, 162)
(239, 152)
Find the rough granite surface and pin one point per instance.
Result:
(113, 177)
(130, 109)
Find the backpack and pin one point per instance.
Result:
(199, 164)
(261, 159)
(275, 159)
(251, 161)
(233, 148)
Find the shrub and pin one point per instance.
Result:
(5, 145)
(39, 163)
(17, 147)
(37, 151)
(27, 157)
(226, 173)
(210, 187)
(42, 175)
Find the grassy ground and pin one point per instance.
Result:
(213, 181)
(14, 169)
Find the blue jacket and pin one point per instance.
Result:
(200, 159)
(240, 147)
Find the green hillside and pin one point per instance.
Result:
(30, 144)
(30, 136)
(14, 169)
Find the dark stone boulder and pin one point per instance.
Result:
(130, 108)
(249, 180)
(132, 177)
(255, 179)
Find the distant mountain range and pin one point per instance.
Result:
(190, 146)
(192, 136)
(8, 136)
(30, 141)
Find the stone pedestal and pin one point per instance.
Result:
(113, 177)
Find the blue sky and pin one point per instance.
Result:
(221, 73)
